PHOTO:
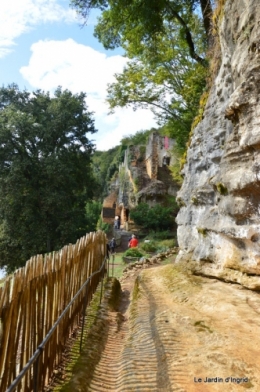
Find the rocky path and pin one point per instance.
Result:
(106, 376)
(108, 373)
(181, 333)
(174, 332)
(124, 241)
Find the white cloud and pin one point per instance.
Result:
(70, 64)
(81, 68)
(124, 122)
(20, 16)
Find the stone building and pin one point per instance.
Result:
(144, 176)
(158, 154)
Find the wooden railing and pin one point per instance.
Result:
(32, 300)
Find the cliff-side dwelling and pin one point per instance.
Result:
(144, 176)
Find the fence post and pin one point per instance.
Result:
(36, 372)
(108, 262)
(113, 261)
(84, 315)
(102, 278)
(41, 372)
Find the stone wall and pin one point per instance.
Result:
(219, 219)
(157, 148)
(110, 208)
(151, 156)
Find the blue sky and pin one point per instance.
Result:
(42, 46)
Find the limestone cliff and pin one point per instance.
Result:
(219, 221)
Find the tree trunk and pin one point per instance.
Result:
(206, 10)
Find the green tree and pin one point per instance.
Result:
(105, 165)
(157, 218)
(93, 212)
(141, 21)
(165, 79)
(166, 42)
(45, 172)
(140, 137)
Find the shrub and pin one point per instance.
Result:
(133, 252)
(162, 249)
(168, 243)
(157, 218)
(106, 227)
(149, 246)
(161, 235)
(164, 246)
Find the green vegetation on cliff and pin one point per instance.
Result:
(106, 163)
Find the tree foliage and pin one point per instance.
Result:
(134, 21)
(157, 218)
(139, 138)
(105, 165)
(93, 213)
(45, 172)
(165, 79)
(166, 43)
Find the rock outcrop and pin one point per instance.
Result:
(219, 221)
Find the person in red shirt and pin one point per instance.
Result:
(133, 242)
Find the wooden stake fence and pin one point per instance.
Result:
(32, 300)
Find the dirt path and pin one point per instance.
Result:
(107, 373)
(123, 242)
(181, 333)
(172, 332)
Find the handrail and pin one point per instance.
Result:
(41, 346)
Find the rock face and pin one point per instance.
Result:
(219, 222)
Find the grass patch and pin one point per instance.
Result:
(165, 245)
(202, 327)
(202, 231)
(222, 189)
(136, 289)
(119, 265)
(135, 295)
(157, 244)
(182, 278)
(149, 246)
(160, 235)
(75, 361)
(79, 366)
(168, 260)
